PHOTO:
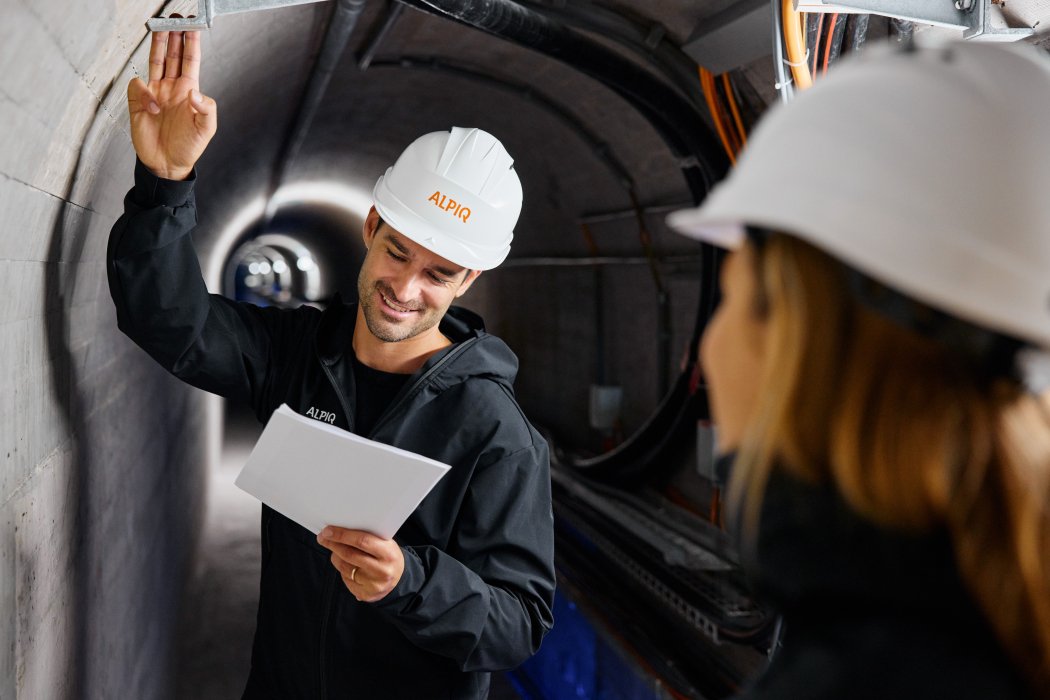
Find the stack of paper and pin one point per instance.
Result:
(318, 475)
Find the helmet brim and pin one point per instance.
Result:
(697, 224)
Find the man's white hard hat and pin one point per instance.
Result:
(926, 169)
(456, 194)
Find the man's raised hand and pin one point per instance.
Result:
(171, 121)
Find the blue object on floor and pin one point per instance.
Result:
(578, 662)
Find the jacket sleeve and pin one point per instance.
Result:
(162, 303)
(487, 601)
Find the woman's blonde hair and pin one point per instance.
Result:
(913, 437)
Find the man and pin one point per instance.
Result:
(467, 585)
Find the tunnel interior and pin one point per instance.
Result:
(593, 307)
(107, 460)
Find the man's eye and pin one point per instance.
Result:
(395, 256)
(438, 279)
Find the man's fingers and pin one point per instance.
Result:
(349, 554)
(202, 104)
(173, 63)
(207, 112)
(157, 50)
(191, 56)
(365, 541)
(140, 98)
(348, 567)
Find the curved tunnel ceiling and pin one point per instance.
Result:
(256, 65)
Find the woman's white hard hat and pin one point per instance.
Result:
(927, 169)
(455, 193)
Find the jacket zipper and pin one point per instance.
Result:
(329, 588)
(415, 388)
(339, 395)
(329, 594)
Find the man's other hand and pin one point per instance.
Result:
(171, 121)
(370, 566)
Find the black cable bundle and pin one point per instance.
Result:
(856, 33)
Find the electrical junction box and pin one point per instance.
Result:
(606, 403)
(706, 451)
(733, 38)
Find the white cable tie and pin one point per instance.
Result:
(781, 85)
(803, 62)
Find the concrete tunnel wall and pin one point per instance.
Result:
(103, 454)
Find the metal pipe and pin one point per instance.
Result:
(393, 12)
(784, 86)
(676, 119)
(631, 213)
(340, 26)
(663, 340)
(648, 42)
(600, 373)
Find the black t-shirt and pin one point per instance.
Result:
(375, 391)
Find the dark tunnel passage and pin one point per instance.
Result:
(118, 517)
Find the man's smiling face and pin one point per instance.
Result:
(405, 289)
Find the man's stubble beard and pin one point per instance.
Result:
(380, 327)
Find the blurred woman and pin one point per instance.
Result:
(870, 372)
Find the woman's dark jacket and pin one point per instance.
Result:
(869, 613)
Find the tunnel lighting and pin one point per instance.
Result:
(280, 267)
(253, 268)
(305, 264)
(343, 196)
(264, 268)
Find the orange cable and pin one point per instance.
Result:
(831, 38)
(727, 118)
(794, 44)
(735, 109)
(707, 83)
(710, 97)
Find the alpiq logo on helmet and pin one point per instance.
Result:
(450, 205)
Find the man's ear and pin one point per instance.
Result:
(370, 227)
(467, 281)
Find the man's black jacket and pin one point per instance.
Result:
(478, 585)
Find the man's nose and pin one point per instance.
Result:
(406, 287)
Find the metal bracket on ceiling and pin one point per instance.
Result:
(208, 10)
(984, 30)
(972, 16)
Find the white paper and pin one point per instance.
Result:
(317, 475)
